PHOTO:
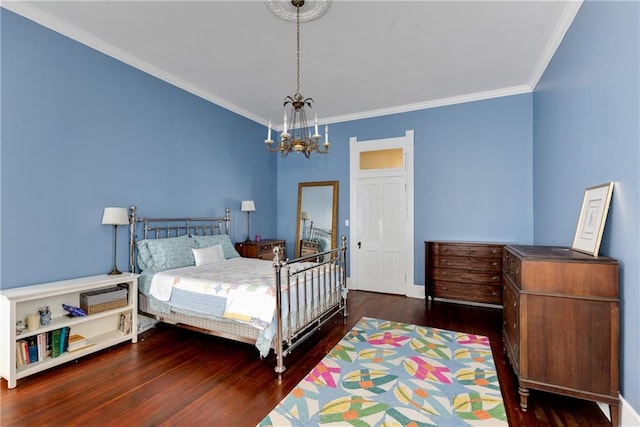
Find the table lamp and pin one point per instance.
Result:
(115, 217)
(248, 206)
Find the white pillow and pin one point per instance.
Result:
(208, 255)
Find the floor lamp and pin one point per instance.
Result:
(248, 206)
(115, 217)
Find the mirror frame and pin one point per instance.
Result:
(334, 212)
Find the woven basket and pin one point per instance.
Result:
(99, 308)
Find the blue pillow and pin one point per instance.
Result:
(165, 254)
(218, 239)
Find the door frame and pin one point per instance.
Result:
(355, 148)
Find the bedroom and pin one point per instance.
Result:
(61, 166)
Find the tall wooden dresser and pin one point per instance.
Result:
(562, 324)
(464, 271)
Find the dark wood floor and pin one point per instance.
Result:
(178, 377)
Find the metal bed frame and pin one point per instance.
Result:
(327, 281)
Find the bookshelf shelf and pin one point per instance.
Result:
(101, 329)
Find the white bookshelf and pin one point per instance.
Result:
(102, 329)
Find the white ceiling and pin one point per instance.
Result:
(361, 59)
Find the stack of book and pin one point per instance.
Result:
(78, 342)
(47, 344)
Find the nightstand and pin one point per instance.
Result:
(262, 249)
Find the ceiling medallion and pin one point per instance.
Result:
(283, 9)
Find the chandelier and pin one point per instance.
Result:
(297, 137)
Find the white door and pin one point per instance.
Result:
(380, 225)
(381, 236)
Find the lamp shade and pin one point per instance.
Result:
(248, 206)
(304, 215)
(115, 216)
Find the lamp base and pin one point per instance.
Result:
(248, 240)
(114, 271)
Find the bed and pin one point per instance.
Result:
(192, 276)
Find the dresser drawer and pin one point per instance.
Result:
(512, 267)
(455, 262)
(511, 323)
(469, 276)
(482, 293)
(466, 250)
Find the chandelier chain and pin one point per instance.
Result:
(298, 49)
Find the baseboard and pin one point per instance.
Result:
(628, 416)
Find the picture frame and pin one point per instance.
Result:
(593, 216)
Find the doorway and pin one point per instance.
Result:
(381, 210)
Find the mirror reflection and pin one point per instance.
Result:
(317, 217)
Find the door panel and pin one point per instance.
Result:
(381, 216)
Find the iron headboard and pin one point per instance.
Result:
(161, 228)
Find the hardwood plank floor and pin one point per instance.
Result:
(178, 377)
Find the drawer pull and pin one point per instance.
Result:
(444, 273)
(495, 264)
(494, 293)
(515, 303)
(514, 326)
(444, 261)
(496, 278)
(495, 251)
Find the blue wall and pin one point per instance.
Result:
(81, 131)
(586, 132)
(473, 172)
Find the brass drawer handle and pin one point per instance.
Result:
(495, 278)
(495, 264)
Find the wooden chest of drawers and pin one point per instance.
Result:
(561, 323)
(262, 249)
(464, 271)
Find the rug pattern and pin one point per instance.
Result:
(385, 373)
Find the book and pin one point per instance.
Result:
(124, 327)
(24, 350)
(65, 339)
(20, 355)
(32, 343)
(42, 346)
(78, 342)
(55, 342)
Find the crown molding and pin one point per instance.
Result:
(479, 96)
(566, 19)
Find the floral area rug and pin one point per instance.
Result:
(385, 373)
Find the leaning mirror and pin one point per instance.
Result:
(317, 218)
